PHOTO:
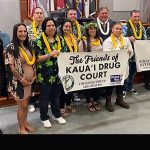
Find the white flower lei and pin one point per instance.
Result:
(100, 27)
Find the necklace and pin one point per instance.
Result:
(95, 43)
(73, 42)
(134, 31)
(26, 56)
(34, 29)
(78, 30)
(114, 41)
(100, 27)
(47, 44)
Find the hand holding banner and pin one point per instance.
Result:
(87, 70)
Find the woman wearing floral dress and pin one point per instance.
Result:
(20, 70)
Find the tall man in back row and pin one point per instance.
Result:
(34, 30)
(104, 22)
(105, 28)
(134, 31)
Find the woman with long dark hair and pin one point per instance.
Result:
(91, 43)
(20, 70)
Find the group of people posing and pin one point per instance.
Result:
(31, 59)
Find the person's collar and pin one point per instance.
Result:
(103, 22)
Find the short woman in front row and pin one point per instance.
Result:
(117, 42)
(21, 73)
(91, 43)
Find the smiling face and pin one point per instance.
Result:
(117, 30)
(67, 28)
(103, 15)
(50, 28)
(72, 15)
(135, 18)
(38, 15)
(92, 31)
(21, 33)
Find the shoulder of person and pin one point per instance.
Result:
(107, 40)
(10, 48)
(112, 22)
(126, 38)
(29, 27)
(94, 21)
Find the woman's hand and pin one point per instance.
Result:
(24, 82)
(32, 80)
(132, 38)
(129, 52)
(54, 53)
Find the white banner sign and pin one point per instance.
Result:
(84, 70)
(142, 55)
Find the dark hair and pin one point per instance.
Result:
(102, 8)
(37, 8)
(134, 11)
(16, 41)
(116, 23)
(61, 27)
(71, 9)
(44, 23)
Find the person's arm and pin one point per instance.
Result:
(9, 61)
(43, 58)
(129, 48)
(46, 57)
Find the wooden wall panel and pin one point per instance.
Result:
(24, 9)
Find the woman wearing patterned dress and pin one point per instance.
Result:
(20, 70)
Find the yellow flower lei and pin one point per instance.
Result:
(78, 30)
(95, 43)
(47, 44)
(73, 42)
(26, 56)
(114, 42)
(134, 31)
(34, 29)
